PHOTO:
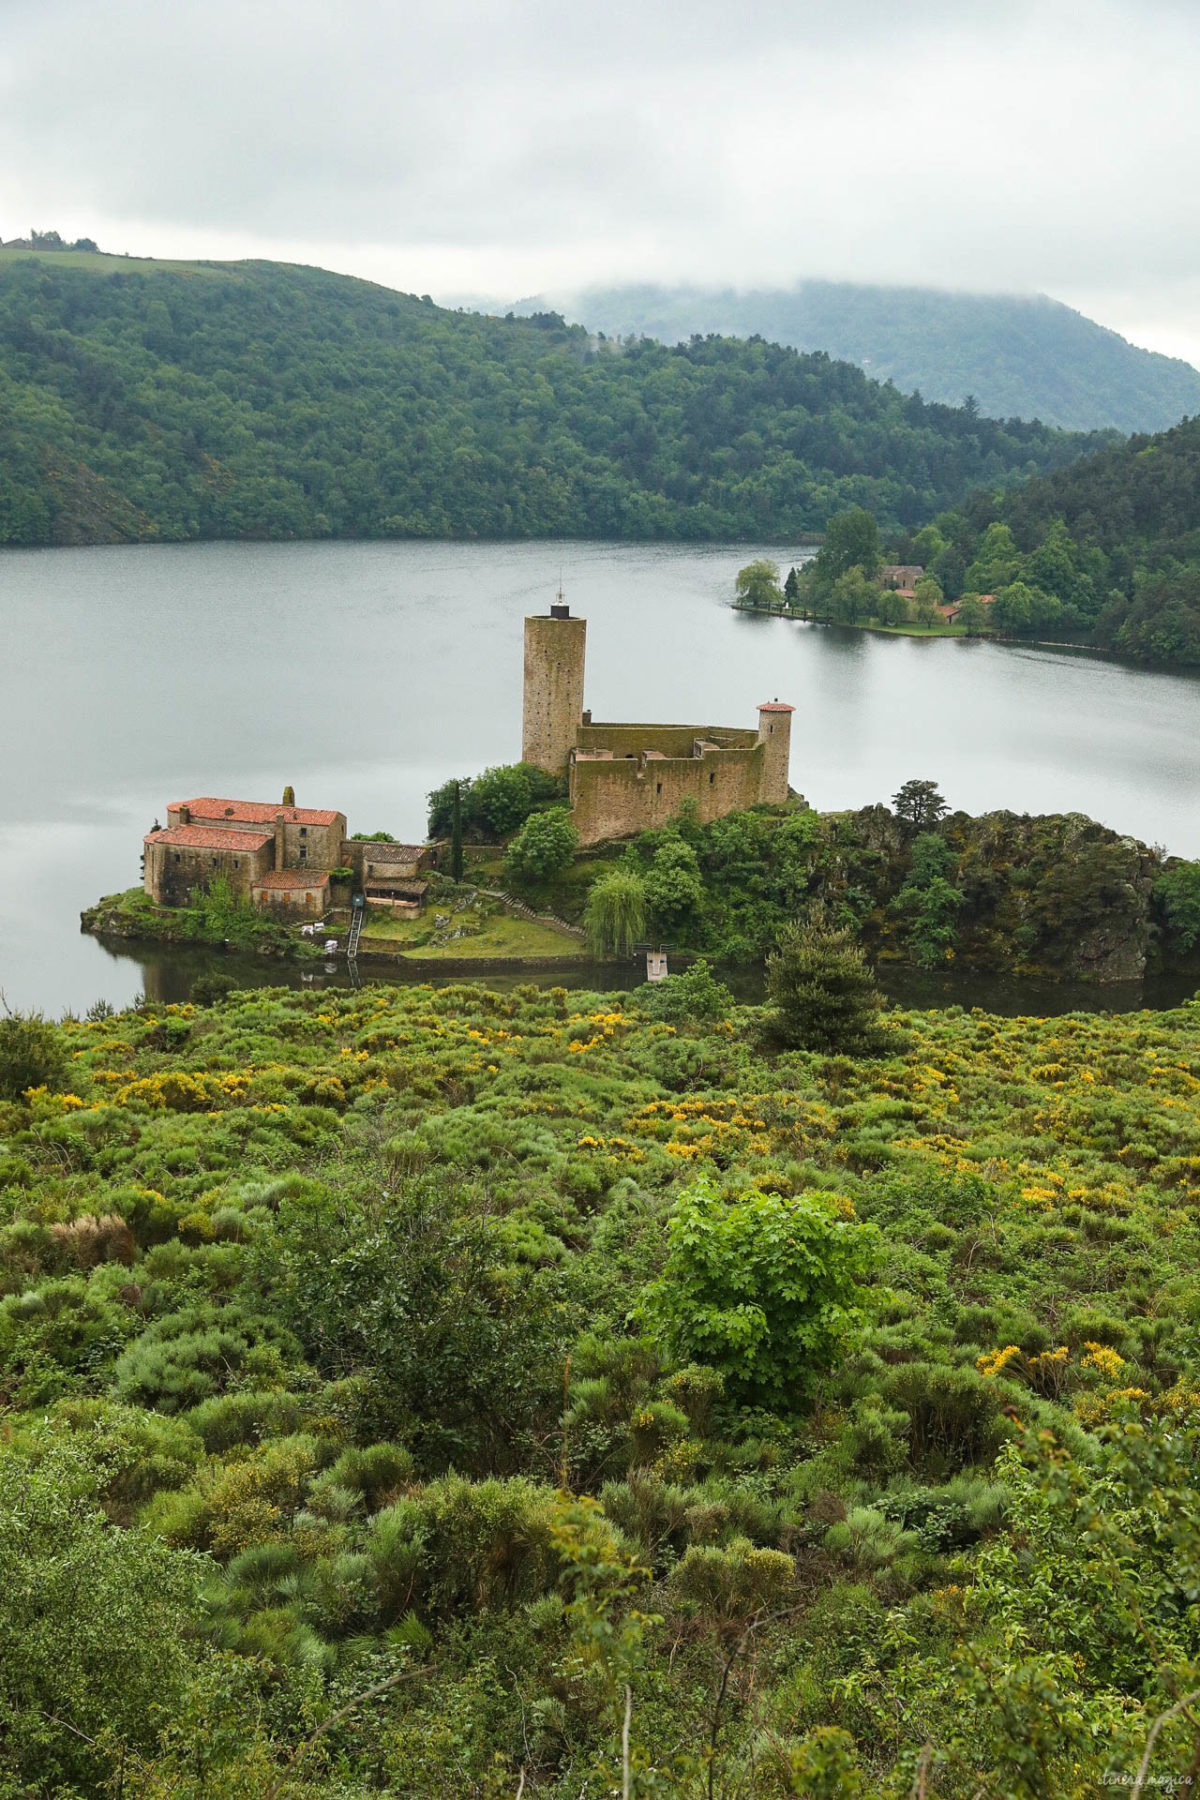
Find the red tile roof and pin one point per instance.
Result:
(376, 852)
(255, 812)
(293, 878)
(209, 837)
(775, 706)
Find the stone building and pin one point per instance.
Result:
(624, 779)
(292, 890)
(391, 874)
(184, 859)
(276, 856)
(304, 835)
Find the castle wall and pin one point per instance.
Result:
(625, 795)
(553, 709)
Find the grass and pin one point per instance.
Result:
(498, 935)
(101, 263)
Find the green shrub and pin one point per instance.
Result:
(763, 1288)
(32, 1055)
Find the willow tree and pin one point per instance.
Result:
(615, 916)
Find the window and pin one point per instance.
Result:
(178, 858)
(304, 831)
(711, 779)
(658, 787)
(235, 862)
(214, 862)
(303, 852)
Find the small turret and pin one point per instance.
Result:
(775, 734)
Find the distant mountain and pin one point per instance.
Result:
(210, 400)
(1022, 358)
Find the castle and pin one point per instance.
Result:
(628, 778)
(622, 779)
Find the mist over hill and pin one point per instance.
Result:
(1025, 357)
(206, 400)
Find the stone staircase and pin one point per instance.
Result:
(550, 920)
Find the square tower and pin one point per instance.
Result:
(553, 711)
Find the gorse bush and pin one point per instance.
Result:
(31, 1054)
(429, 1390)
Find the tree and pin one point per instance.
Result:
(1177, 896)
(757, 585)
(791, 588)
(31, 1054)
(762, 1287)
(920, 804)
(456, 834)
(973, 616)
(615, 916)
(997, 561)
(673, 886)
(823, 993)
(494, 804)
(930, 901)
(851, 542)
(855, 598)
(891, 608)
(543, 848)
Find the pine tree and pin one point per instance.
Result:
(823, 992)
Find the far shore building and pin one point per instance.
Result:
(623, 779)
(901, 577)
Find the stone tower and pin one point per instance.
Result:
(554, 648)
(775, 735)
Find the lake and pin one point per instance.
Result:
(366, 674)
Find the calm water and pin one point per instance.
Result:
(365, 674)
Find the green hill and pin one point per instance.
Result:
(145, 400)
(1106, 552)
(1025, 357)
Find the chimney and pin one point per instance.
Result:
(185, 815)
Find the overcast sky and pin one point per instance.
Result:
(509, 146)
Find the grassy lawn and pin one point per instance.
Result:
(918, 630)
(100, 263)
(496, 935)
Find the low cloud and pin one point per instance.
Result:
(503, 148)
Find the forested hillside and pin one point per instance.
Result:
(1020, 356)
(262, 400)
(427, 1394)
(1107, 551)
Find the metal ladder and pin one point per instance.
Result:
(356, 929)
